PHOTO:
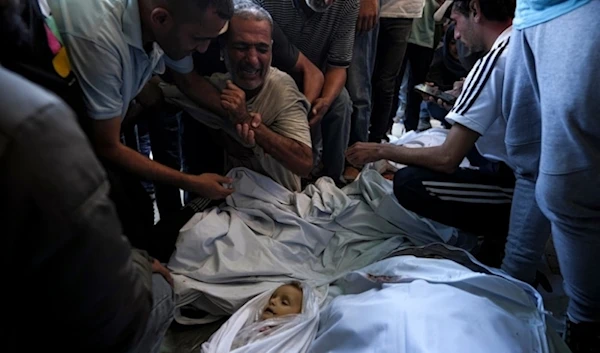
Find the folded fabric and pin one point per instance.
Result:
(265, 235)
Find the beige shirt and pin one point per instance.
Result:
(283, 109)
(402, 8)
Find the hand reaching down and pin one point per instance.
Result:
(362, 153)
(210, 186)
(318, 110)
(367, 15)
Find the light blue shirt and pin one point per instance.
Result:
(104, 44)
(534, 12)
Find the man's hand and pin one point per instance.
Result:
(233, 100)
(157, 267)
(318, 111)
(367, 16)
(151, 96)
(362, 153)
(210, 185)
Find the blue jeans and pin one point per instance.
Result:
(160, 135)
(358, 84)
(161, 316)
(550, 101)
(437, 112)
(332, 136)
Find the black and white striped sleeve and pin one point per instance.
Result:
(480, 102)
(342, 41)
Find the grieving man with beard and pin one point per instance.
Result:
(281, 146)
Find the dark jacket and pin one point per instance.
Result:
(445, 69)
(72, 281)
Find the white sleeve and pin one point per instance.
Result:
(480, 102)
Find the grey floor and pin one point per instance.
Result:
(185, 339)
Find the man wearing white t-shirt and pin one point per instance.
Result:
(477, 199)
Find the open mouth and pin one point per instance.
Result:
(270, 311)
(250, 72)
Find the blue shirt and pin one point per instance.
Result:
(534, 12)
(104, 44)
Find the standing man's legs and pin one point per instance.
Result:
(564, 67)
(165, 139)
(529, 229)
(568, 188)
(358, 84)
(420, 59)
(393, 37)
(335, 132)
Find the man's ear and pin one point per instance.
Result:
(475, 9)
(161, 17)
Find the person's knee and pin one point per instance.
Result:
(405, 182)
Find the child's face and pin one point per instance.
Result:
(286, 300)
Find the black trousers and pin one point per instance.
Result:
(475, 201)
(420, 59)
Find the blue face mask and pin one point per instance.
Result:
(319, 5)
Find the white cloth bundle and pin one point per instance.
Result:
(245, 333)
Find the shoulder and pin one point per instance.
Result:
(99, 22)
(22, 101)
(283, 85)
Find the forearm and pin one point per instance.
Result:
(312, 76)
(140, 165)
(434, 158)
(201, 91)
(293, 155)
(335, 80)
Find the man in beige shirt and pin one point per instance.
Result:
(281, 146)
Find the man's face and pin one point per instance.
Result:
(179, 36)
(466, 31)
(248, 52)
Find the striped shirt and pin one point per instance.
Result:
(326, 38)
(479, 106)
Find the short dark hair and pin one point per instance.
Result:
(224, 8)
(493, 10)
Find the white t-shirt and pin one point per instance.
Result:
(103, 39)
(479, 106)
(402, 8)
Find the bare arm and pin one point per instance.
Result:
(335, 80)
(312, 76)
(292, 154)
(105, 138)
(445, 158)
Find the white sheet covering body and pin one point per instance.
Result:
(291, 333)
(408, 304)
(266, 235)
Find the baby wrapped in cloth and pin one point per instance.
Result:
(282, 320)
